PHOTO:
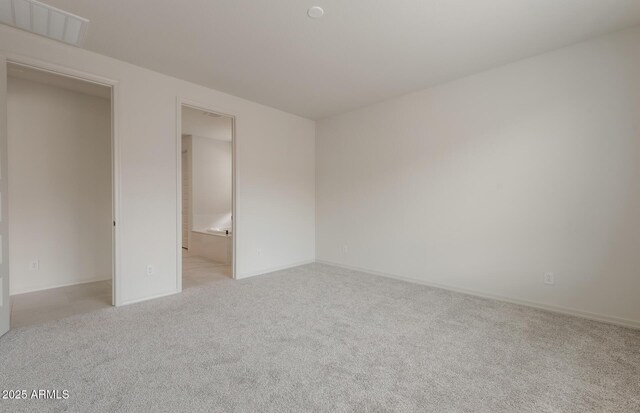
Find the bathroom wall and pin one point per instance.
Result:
(211, 185)
(60, 186)
(210, 139)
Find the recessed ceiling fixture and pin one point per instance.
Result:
(315, 12)
(42, 19)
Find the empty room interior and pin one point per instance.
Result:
(320, 206)
(59, 176)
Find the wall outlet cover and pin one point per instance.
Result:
(549, 278)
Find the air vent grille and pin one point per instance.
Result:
(44, 20)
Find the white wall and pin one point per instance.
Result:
(486, 183)
(60, 185)
(275, 176)
(211, 183)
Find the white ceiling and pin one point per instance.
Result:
(360, 52)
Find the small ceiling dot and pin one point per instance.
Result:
(315, 12)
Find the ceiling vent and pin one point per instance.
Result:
(44, 20)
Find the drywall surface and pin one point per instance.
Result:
(211, 183)
(486, 183)
(59, 186)
(275, 170)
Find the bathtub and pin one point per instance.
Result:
(217, 231)
(215, 244)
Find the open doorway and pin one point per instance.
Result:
(60, 195)
(206, 195)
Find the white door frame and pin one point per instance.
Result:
(116, 295)
(180, 102)
(5, 311)
(187, 152)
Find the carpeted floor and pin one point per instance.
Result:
(319, 338)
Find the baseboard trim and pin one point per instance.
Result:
(33, 290)
(623, 322)
(274, 269)
(148, 298)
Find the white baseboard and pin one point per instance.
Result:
(49, 287)
(273, 269)
(553, 308)
(151, 297)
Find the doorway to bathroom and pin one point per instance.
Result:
(206, 194)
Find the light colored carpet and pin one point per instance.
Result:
(319, 338)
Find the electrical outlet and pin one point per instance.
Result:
(345, 249)
(549, 278)
(34, 265)
(259, 251)
(149, 269)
